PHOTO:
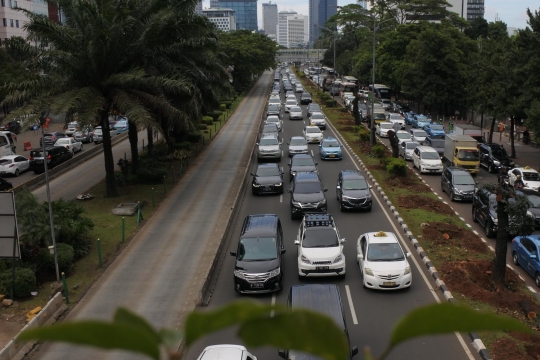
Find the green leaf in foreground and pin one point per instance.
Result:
(301, 330)
(126, 317)
(447, 318)
(98, 334)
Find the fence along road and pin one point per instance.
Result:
(160, 273)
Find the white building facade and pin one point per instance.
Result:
(224, 19)
(293, 29)
(12, 20)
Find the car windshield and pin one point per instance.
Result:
(412, 145)
(273, 108)
(422, 118)
(269, 141)
(314, 108)
(499, 152)
(319, 238)
(437, 127)
(257, 249)
(356, 184)
(98, 131)
(77, 133)
(468, 155)
(296, 109)
(385, 252)
(531, 176)
(72, 126)
(330, 143)
(317, 116)
(386, 126)
(298, 141)
(5, 161)
(270, 129)
(313, 130)
(291, 102)
(307, 188)
(395, 117)
(306, 95)
(463, 180)
(419, 133)
(268, 171)
(274, 101)
(430, 155)
(62, 141)
(403, 135)
(379, 116)
(272, 120)
(437, 143)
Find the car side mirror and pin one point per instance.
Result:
(338, 187)
(325, 190)
(408, 255)
(533, 256)
(282, 353)
(283, 251)
(296, 242)
(288, 143)
(342, 241)
(233, 253)
(476, 182)
(289, 190)
(252, 174)
(354, 351)
(316, 163)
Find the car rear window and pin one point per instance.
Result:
(5, 161)
(36, 153)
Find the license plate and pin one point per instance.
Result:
(267, 188)
(257, 286)
(322, 267)
(332, 156)
(39, 161)
(389, 283)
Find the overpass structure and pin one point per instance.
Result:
(303, 55)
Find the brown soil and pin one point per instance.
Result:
(409, 183)
(455, 236)
(425, 203)
(347, 129)
(345, 121)
(506, 349)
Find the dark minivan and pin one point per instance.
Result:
(55, 156)
(324, 299)
(458, 183)
(352, 191)
(259, 258)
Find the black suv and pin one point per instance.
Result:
(458, 183)
(55, 156)
(534, 203)
(305, 98)
(493, 156)
(259, 258)
(484, 211)
(352, 191)
(14, 126)
(307, 194)
(51, 137)
(301, 162)
(268, 179)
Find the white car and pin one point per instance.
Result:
(229, 352)
(530, 177)
(320, 250)
(383, 264)
(273, 119)
(295, 113)
(427, 160)
(312, 134)
(71, 144)
(289, 104)
(299, 89)
(403, 136)
(396, 119)
(14, 165)
(345, 94)
(297, 145)
(318, 119)
(406, 149)
(382, 128)
(291, 96)
(348, 100)
(269, 147)
(71, 128)
(275, 101)
(418, 135)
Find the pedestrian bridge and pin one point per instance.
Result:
(303, 55)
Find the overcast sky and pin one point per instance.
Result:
(512, 12)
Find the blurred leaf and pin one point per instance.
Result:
(301, 330)
(448, 318)
(98, 334)
(170, 338)
(126, 317)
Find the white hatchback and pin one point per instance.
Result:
(383, 264)
(312, 134)
(383, 127)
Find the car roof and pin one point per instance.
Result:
(456, 169)
(526, 169)
(222, 352)
(307, 176)
(317, 112)
(312, 126)
(426, 148)
(9, 157)
(259, 225)
(381, 237)
(298, 137)
(267, 165)
(299, 156)
(528, 191)
(318, 297)
(352, 174)
(269, 135)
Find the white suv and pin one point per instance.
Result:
(427, 160)
(320, 250)
(312, 134)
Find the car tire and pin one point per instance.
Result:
(474, 218)
(490, 168)
(537, 279)
(452, 196)
(341, 207)
(489, 229)
(300, 277)
(342, 276)
(16, 172)
(81, 149)
(442, 188)
(515, 258)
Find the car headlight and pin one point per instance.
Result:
(368, 271)
(305, 260)
(338, 258)
(322, 202)
(459, 191)
(530, 214)
(495, 221)
(279, 184)
(293, 173)
(256, 185)
(239, 274)
(496, 163)
(407, 270)
(296, 203)
(275, 272)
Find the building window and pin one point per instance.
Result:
(10, 4)
(3, 3)
(16, 23)
(16, 4)
(11, 22)
(4, 21)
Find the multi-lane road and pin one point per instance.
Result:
(370, 314)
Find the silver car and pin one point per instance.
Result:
(295, 113)
(273, 119)
(269, 147)
(98, 134)
(289, 104)
(71, 128)
(406, 149)
(298, 145)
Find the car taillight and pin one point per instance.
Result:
(67, 147)
(31, 158)
(49, 157)
(12, 165)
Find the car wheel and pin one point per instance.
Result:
(489, 229)
(342, 276)
(515, 258)
(341, 207)
(16, 172)
(452, 196)
(490, 168)
(300, 277)
(537, 279)
(81, 148)
(442, 187)
(474, 218)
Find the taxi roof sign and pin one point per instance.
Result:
(380, 234)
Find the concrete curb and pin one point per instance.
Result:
(476, 341)
(16, 349)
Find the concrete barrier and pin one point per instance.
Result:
(16, 349)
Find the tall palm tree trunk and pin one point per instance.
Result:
(133, 142)
(110, 180)
(150, 136)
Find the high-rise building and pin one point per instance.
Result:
(214, 4)
(293, 29)
(269, 18)
(362, 3)
(14, 20)
(282, 27)
(319, 12)
(223, 18)
(246, 13)
(199, 8)
(467, 9)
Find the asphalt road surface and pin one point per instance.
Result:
(159, 274)
(370, 315)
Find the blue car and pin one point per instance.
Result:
(435, 131)
(330, 149)
(409, 117)
(419, 121)
(525, 254)
(121, 126)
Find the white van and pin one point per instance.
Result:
(228, 352)
(6, 144)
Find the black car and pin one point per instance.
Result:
(307, 194)
(484, 211)
(14, 126)
(55, 156)
(493, 156)
(5, 185)
(301, 163)
(273, 110)
(458, 183)
(437, 144)
(352, 191)
(534, 203)
(51, 137)
(313, 107)
(268, 179)
(305, 98)
(259, 258)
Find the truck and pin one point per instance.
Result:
(462, 151)
(473, 131)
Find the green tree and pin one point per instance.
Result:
(477, 28)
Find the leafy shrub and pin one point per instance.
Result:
(329, 103)
(215, 115)
(301, 74)
(151, 171)
(396, 167)
(194, 137)
(25, 282)
(222, 107)
(227, 104)
(81, 248)
(201, 127)
(66, 256)
(364, 136)
(208, 120)
(378, 150)
(184, 145)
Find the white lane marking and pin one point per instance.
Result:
(531, 289)
(351, 305)
(273, 304)
(281, 198)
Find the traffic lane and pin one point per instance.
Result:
(364, 301)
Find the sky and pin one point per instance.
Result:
(512, 12)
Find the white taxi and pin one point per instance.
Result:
(383, 264)
(312, 134)
(530, 177)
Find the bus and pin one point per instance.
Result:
(350, 79)
(346, 87)
(381, 91)
(334, 90)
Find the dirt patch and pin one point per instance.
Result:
(347, 129)
(409, 183)
(444, 234)
(505, 349)
(424, 203)
(345, 121)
